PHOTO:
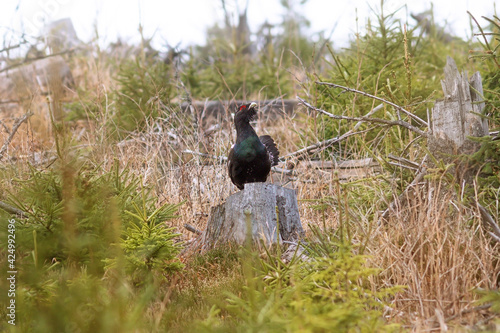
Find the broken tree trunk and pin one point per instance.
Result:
(457, 116)
(263, 211)
(454, 119)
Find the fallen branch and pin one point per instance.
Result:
(29, 60)
(322, 144)
(489, 221)
(401, 123)
(287, 172)
(405, 194)
(189, 227)
(403, 160)
(219, 158)
(269, 104)
(224, 158)
(466, 311)
(5, 127)
(15, 127)
(11, 210)
(331, 141)
(403, 163)
(400, 165)
(397, 107)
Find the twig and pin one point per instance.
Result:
(488, 220)
(224, 158)
(368, 119)
(403, 162)
(8, 48)
(12, 210)
(400, 165)
(5, 127)
(404, 194)
(15, 127)
(287, 172)
(272, 102)
(399, 108)
(322, 144)
(28, 60)
(220, 158)
(485, 39)
(465, 311)
(189, 227)
(331, 141)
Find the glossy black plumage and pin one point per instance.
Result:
(251, 158)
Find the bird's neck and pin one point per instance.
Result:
(243, 131)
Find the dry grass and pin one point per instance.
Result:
(435, 246)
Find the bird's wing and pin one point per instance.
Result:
(271, 148)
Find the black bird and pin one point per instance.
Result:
(251, 157)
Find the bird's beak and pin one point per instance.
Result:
(252, 105)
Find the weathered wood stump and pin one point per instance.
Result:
(261, 210)
(454, 120)
(456, 117)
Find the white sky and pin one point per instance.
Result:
(185, 21)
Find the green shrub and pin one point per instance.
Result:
(148, 244)
(330, 293)
(144, 89)
(390, 61)
(79, 217)
(488, 157)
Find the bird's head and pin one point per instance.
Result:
(245, 112)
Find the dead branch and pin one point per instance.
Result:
(466, 311)
(219, 158)
(15, 127)
(405, 194)
(332, 141)
(5, 127)
(403, 160)
(489, 221)
(287, 172)
(397, 107)
(322, 144)
(12, 47)
(400, 165)
(401, 123)
(189, 227)
(28, 60)
(222, 159)
(11, 210)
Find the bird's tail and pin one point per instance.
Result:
(271, 148)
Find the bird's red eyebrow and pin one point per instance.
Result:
(242, 107)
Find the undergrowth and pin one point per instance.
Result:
(105, 192)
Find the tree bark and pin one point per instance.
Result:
(262, 211)
(456, 117)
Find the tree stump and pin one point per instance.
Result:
(456, 117)
(453, 120)
(261, 210)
